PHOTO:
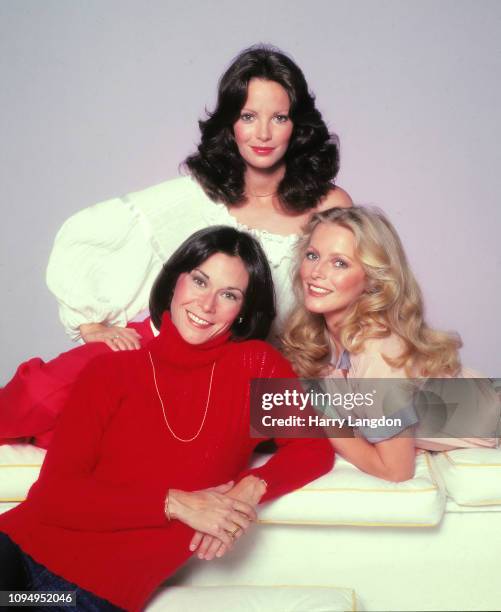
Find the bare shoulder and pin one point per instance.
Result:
(336, 197)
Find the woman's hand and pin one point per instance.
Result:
(117, 338)
(249, 490)
(211, 512)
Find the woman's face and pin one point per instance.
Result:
(263, 130)
(332, 275)
(207, 300)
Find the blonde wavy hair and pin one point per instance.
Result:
(391, 304)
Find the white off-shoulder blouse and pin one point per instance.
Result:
(106, 257)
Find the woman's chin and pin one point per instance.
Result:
(194, 336)
(313, 307)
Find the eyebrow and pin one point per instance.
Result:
(278, 112)
(200, 272)
(208, 278)
(334, 254)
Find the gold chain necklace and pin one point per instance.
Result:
(264, 195)
(163, 407)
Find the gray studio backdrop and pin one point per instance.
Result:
(102, 97)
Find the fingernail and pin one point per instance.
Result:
(192, 546)
(200, 556)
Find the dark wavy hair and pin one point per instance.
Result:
(258, 309)
(312, 157)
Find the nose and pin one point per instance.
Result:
(263, 131)
(318, 270)
(208, 302)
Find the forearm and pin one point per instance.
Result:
(392, 459)
(296, 462)
(87, 504)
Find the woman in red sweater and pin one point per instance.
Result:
(149, 460)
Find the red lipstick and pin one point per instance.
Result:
(263, 150)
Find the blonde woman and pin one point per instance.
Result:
(361, 315)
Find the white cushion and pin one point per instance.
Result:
(451, 507)
(19, 468)
(253, 598)
(347, 496)
(472, 476)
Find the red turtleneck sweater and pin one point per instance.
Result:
(96, 514)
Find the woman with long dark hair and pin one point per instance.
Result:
(265, 162)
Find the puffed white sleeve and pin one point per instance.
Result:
(102, 266)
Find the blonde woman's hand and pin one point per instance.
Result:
(116, 337)
(211, 512)
(249, 490)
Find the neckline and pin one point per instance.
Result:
(256, 230)
(343, 362)
(170, 347)
(219, 206)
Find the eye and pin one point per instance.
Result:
(246, 117)
(340, 263)
(311, 256)
(230, 296)
(281, 118)
(198, 280)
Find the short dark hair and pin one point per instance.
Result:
(258, 310)
(312, 157)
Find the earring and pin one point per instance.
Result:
(240, 320)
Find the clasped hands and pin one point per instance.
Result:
(219, 515)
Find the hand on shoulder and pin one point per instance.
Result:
(116, 337)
